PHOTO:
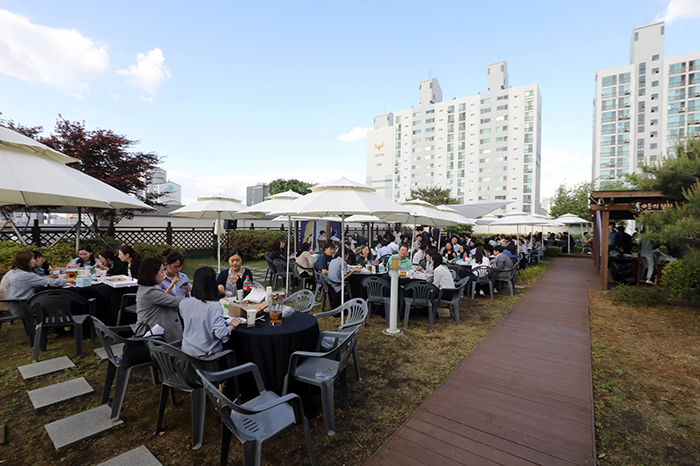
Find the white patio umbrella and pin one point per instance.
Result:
(571, 219)
(517, 219)
(344, 198)
(261, 209)
(424, 213)
(217, 207)
(35, 175)
(454, 216)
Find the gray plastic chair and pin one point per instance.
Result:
(297, 270)
(127, 305)
(510, 279)
(123, 364)
(322, 369)
(485, 276)
(322, 284)
(257, 422)
(53, 310)
(18, 311)
(280, 271)
(457, 293)
(178, 368)
(378, 292)
(356, 311)
(270, 268)
(303, 301)
(423, 294)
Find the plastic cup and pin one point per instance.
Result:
(240, 296)
(251, 317)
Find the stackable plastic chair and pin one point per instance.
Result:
(53, 310)
(270, 272)
(257, 422)
(510, 279)
(178, 368)
(457, 293)
(356, 311)
(18, 311)
(127, 305)
(422, 294)
(485, 276)
(322, 369)
(302, 300)
(280, 271)
(123, 364)
(297, 270)
(378, 292)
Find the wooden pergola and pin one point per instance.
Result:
(605, 206)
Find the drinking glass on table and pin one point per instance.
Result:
(276, 314)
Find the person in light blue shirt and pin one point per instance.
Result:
(172, 264)
(85, 257)
(337, 268)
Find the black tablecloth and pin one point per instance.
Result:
(270, 348)
(107, 300)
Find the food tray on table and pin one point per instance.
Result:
(119, 281)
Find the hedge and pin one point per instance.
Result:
(552, 251)
(253, 243)
(682, 279)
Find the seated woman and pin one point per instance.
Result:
(106, 260)
(479, 259)
(127, 254)
(85, 257)
(232, 279)
(21, 282)
(448, 252)
(364, 257)
(153, 306)
(442, 277)
(41, 267)
(205, 328)
(174, 280)
(304, 259)
(278, 250)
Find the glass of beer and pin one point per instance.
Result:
(276, 314)
(402, 271)
(71, 274)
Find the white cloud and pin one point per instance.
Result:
(235, 185)
(149, 72)
(678, 9)
(559, 167)
(147, 99)
(60, 57)
(355, 134)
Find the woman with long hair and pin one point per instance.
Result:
(22, 282)
(477, 260)
(106, 260)
(85, 257)
(278, 250)
(205, 328)
(127, 254)
(232, 279)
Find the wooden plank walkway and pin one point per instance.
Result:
(523, 396)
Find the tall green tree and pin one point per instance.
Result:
(281, 185)
(572, 200)
(435, 196)
(677, 172)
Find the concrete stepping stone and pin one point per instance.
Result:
(45, 367)
(56, 393)
(141, 456)
(116, 349)
(81, 426)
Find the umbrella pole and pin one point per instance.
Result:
(289, 230)
(77, 229)
(342, 268)
(218, 240)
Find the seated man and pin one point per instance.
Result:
(585, 241)
(385, 250)
(404, 261)
(337, 267)
(324, 259)
(501, 262)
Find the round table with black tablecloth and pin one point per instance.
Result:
(270, 348)
(107, 300)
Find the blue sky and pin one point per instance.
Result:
(233, 93)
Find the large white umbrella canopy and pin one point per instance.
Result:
(343, 197)
(455, 216)
(11, 138)
(571, 219)
(424, 213)
(212, 207)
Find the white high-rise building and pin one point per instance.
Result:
(483, 148)
(641, 109)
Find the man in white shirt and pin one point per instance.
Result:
(455, 245)
(385, 250)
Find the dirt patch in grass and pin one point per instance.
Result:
(646, 382)
(398, 373)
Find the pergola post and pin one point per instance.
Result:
(604, 235)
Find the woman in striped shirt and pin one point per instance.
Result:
(22, 282)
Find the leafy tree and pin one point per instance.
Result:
(281, 185)
(435, 196)
(677, 172)
(29, 131)
(572, 200)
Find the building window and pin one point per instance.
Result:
(485, 101)
(483, 121)
(654, 84)
(655, 97)
(655, 57)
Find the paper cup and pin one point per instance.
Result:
(251, 317)
(239, 293)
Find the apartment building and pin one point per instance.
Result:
(642, 109)
(483, 148)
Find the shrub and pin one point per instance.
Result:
(637, 296)
(253, 243)
(552, 251)
(154, 250)
(682, 279)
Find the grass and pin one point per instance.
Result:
(645, 378)
(398, 374)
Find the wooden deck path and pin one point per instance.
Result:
(524, 394)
